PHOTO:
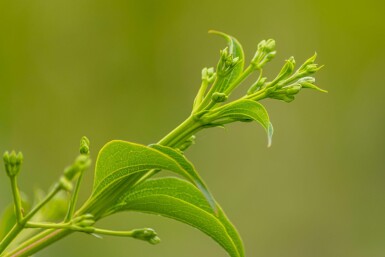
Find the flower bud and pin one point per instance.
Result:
(283, 96)
(257, 85)
(84, 146)
(265, 52)
(12, 163)
(309, 67)
(286, 70)
(86, 223)
(219, 97)
(293, 90)
(65, 184)
(306, 79)
(226, 62)
(208, 74)
(270, 45)
(146, 234)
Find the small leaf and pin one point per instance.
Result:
(242, 110)
(121, 164)
(180, 200)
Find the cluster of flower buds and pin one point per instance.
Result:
(265, 52)
(84, 223)
(84, 146)
(208, 75)
(146, 234)
(226, 63)
(287, 83)
(12, 163)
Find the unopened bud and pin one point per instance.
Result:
(257, 85)
(283, 96)
(292, 90)
(208, 74)
(270, 45)
(12, 162)
(219, 97)
(65, 184)
(265, 52)
(309, 67)
(146, 234)
(86, 223)
(286, 70)
(306, 79)
(84, 146)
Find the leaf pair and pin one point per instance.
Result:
(189, 202)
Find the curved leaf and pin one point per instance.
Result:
(121, 164)
(180, 200)
(242, 110)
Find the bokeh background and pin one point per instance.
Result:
(125, 69)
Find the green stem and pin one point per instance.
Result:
(48, 225)
(200, 96)
(48, 197)
(74, 199)
(114, 233)
(16, 229)
(181, 133)
(16, 199)
(38, 242)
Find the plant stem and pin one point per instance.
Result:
(38, 243)
(16, 199)
(17, 228)
(181, 133)
(74, 199)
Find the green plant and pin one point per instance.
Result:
(123, 173)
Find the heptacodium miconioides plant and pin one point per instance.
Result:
(124, 170)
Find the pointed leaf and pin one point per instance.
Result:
(180, 200)
(243, 110)
(121, 164)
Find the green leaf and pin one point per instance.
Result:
(190, 169)
(180, 200)
(121, 164)
(242, 110)
(235, 52)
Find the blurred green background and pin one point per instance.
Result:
(130, 70)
